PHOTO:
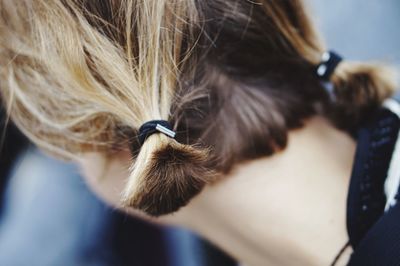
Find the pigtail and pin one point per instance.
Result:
(166, 175)
(359, 88)
(354, 89)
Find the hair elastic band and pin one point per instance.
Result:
(329, 61)
(155, 126)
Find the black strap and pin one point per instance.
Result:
(373, 232)
(366, 199)
(150, 127)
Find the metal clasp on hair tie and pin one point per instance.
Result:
(166, 131)
(329, 61)
(155, 126)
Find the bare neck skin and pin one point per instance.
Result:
(288, 209)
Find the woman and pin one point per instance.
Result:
(221, 116)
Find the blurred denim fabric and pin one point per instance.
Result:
(50, 218)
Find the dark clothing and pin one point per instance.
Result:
(374, 231)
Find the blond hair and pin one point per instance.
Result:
(231, 76)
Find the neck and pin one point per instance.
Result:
(282, 209)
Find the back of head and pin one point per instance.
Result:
(231, 77)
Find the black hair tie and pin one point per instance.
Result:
(328, 64)
(155, 126)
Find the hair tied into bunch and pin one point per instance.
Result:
(166, 174)
(355, 89)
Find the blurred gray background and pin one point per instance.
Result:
(360, 29)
